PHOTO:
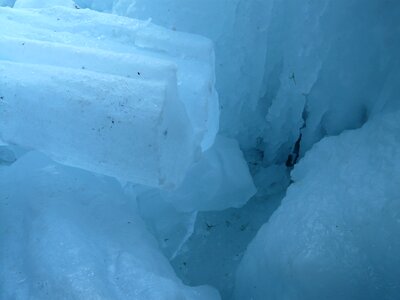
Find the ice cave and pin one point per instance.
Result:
(199, 149)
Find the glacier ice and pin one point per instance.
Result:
(108, 71)
(219, 180)
(336, 233)
(69, 234)
(238, 29)
(199, 149)
(327, 69)
(90, 123)
(218, 242)
(171, 227)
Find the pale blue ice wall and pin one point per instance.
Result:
(327, 66)
(238, 29)
(286, 67)
(326, 61)
(336, 234)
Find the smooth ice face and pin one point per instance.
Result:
(171, 228)
(68, 234)
(238, 29)
(219, 180)
(144, 84)
(94, 121)
(336, 234)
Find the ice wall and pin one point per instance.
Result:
(336, 233)
(327, 64)
(330, 66)
(322, 64)
(144, 83)
(238, 29)
(292, 76)
(326, 67)
(219, 180)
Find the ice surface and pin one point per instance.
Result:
(219, 240)
(238, 29)
(337, 233)
(171, 227)
(94, 122)
(327, 64)
(68, 234)
(282, 64)
(192, 55)
(152, 61)
(219, 180)
(289, 74)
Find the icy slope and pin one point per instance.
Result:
(336, 234)
(68, 234)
